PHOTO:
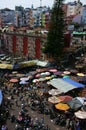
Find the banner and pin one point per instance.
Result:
(67, 39)
(25, 45)
(14, 44)
(37, 48)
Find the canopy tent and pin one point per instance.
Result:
(74, 83)
(65, 84)
(1, 97)
(41, 63)
(5, 66)
(79, 33)
(27, 63)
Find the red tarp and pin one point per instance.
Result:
(67, 39)
(14, 43)
(25, 45)
(37, 48)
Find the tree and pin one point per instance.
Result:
(55, 38)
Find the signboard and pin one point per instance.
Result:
(71, 27)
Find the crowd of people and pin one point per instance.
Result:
(19, 100)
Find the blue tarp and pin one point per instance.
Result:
(1, 97)
(74, 83)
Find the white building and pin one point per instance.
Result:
(84, 14)
(74, 8)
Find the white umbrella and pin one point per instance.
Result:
(66, 72)
(54, 92)
(24, 78)
(41, 79)
(35, 80)
(14, 72)
(53, 70)
(23, 82)
(80, 114)
(54, 99)
(42, 74)
(47, 73)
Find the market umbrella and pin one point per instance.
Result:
(58, 73)
(42, 74)
(66, 76)
(14, 72)
(41, 79)
(47, 73)
(14, 80)
(41, 70)
(35, 80)
(81, 99)
(65, 98)
(66, 72)
(53, 70)
(79, 66)
(80, 114)
(20, 75)
(32, 72)
(54, 99)
(80, 74)
(75, 104)
(37, 75)
(23, 82)
(24, 78)
(54, 92)
(48, 78)
(62, 106)
(74, 71)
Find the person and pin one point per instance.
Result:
(16, 102)
(77, 125)
(68, 123)
(13, 118)
(42, 120)
(4, 127)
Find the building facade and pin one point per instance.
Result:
(74, 8)
(24, 45)
(84, 14)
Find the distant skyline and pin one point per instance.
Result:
(28, 3)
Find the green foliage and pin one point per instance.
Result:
(55, 38)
